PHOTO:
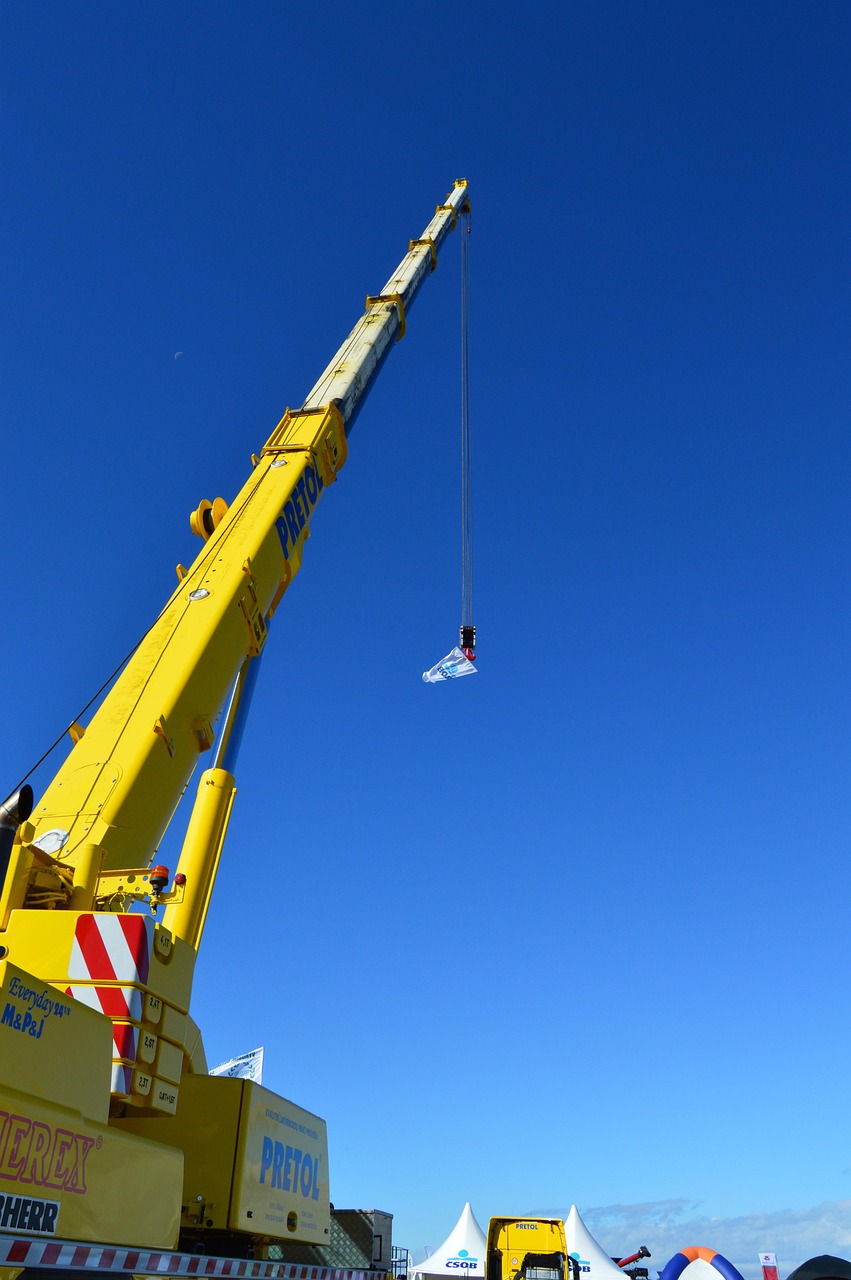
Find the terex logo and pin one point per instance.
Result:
(292, 1170)
(462, 1260)
(297, 508)
(43, 1155)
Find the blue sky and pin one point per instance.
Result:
(573, 930)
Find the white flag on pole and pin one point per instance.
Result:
(455, 664)
(248, 1066)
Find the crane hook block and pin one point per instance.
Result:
(468, 642)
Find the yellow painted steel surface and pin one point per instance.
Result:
(87, 848)
(63, 1171)
(284, 1180)
(41, 1032)
(514, 1238)
(144, 1049)
(254, 1162)
(202, 849)
(117, 789)
(65, 1176)
(44, 941)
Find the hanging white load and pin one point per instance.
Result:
(455, 664)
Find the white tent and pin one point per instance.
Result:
(594, 1262)
(461, 1254)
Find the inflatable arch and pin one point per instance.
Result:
(677, 1265)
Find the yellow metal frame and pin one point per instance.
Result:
(427, 243)
(395, 299)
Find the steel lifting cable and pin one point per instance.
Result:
(468, 630)
(92, 700)
(460, 662)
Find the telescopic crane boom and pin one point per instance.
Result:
(79, 933)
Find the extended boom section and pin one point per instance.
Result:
(103, 1084)
(350, 374)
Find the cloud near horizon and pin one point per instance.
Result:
(666, 1226)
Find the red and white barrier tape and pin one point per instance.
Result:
(16, 1251)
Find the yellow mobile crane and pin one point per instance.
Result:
(114, 1140)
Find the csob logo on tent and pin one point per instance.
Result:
(462, 1260)
(581, 1263)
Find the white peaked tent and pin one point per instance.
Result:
(594, 1262)
(461, 1254)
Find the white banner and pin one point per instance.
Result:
(248, 1066)
(455, 664)
(768, 1262)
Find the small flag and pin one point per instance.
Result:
(248, 1066)
(455, 664)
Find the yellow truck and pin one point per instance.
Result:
(527, 1249)
(119, 1153)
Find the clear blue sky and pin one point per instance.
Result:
(574, 929)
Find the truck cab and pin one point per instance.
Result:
(526, 1249)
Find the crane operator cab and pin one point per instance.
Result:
(527, 1249)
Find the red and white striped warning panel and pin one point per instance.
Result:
(125, 1040)
(122, 1078)
(115, 1002)
(111, 948)
(59, 1254)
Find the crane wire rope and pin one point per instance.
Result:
(90, 703)
(468, 630)
(109, 680)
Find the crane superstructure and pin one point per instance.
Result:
(104, 1094)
